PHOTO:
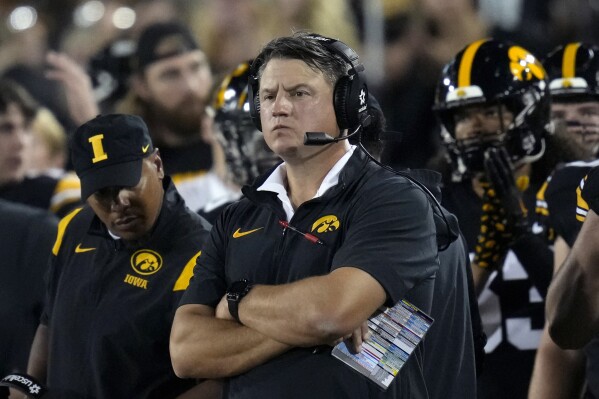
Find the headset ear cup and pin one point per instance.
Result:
(254, 103)
(256, 116)
(340, 100)
(253, 91)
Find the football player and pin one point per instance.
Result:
(573, 69)
(493, 103)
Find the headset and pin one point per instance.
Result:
(350, 95)
(350, 102)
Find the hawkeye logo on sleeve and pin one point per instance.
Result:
(326, 224)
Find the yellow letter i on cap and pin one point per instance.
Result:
(99, 154)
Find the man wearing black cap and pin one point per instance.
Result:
(118, 268)
(171, 88)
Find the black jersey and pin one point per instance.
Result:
(511, 306)
(372, 220)
(110, 305)
(558, 199)
(26, 237)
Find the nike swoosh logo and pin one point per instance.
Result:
(80, 250)
(145, 148)
(238, 233)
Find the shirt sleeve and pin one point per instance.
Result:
(208, 284)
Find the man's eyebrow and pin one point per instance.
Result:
(287, 89)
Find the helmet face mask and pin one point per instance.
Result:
(573, 71)
(246, 153)
(491, 73)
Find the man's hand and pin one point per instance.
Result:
(493, 238)
(356, 338)
(77, 86)
(500, 174)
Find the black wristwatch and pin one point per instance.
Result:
(235, 294)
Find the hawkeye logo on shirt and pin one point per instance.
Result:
(326, 224)
(144, 262)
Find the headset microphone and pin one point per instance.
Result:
(322, 138)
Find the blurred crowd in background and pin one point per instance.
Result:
(402, 43)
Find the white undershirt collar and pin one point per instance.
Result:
(277, 180)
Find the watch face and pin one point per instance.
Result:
(238, 289)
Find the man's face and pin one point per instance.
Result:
(481, 122)
(131, 212)
(294, 99)
(178, 90)
(582, 123)
(15, 137)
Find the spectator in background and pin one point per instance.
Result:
(170, 89)
(17, 112)
(232, 31)
(493, 102)
(47, 154)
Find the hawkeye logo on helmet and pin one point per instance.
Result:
(523, 65)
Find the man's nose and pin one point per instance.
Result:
(121, 199)
(281, 105)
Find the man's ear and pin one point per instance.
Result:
(157, 161)
(139, 85)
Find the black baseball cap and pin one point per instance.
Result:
(108, 151)
(162, 40)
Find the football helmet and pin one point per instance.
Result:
(246, 153)
(490, 72)
(573, 71)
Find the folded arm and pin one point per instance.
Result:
(203, 346)
(313, 311)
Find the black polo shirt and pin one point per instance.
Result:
(373, 220)
(26, 237)
(110, 305)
